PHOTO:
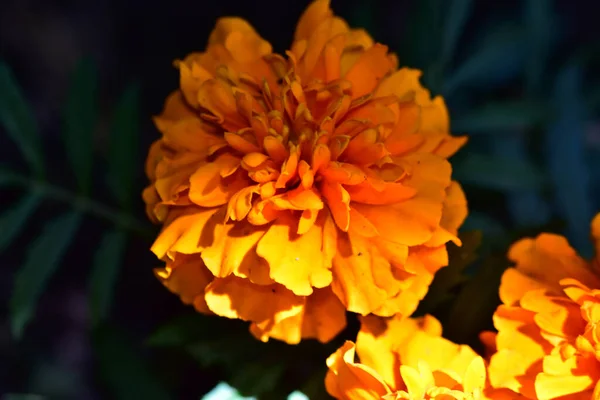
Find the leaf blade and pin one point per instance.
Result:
(79, 121)
(123, 146)
(41, 262)
(107, 262)
(499, 173)
(456, 19)
(492, 118)
(565, 157)
(489, 65)
(18, 120)
(13, 220)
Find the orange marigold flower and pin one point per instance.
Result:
(548, 343)
(404, 358)
(292, 189)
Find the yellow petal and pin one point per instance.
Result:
(296, 261)
(413, 222)
(185, 233)
(352, 381)
(234, 297)
(363, 277)
(233, 251)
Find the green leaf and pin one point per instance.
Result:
(502, 117)
(565, 150)
(41, 262)
(14, 220)
(80, 119)
(8, 177)
(497, 59)
(19, 121)
(450, 277)
(541, 24)
(107, 263)
(420, 46)
(123, 162)
(499, 173)
(122, 368)
(455, 20)
(474, 306)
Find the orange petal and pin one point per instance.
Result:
(548, 259)
(240, 203)
(318, 38)
(377, 341)
(363, 277)
(352, 381)
(242, 41)
(173, 174)
(233, 251)
(324, 316)
(191, 77)
(187, 277)
(239, 143)
(234, 297)
(338, 202)
(317, 12)
(372, 65)
(413, 222)
(207, 186)
(364, 149)
(595, 227)
(217, 97)
(191, 135)
(296, 261)
(346, 174)
(184, 233)
(289, 169)
(389, 193)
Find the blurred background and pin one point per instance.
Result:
(82, 316)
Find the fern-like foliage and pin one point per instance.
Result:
(120, 366)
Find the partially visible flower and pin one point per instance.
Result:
(292, 189)
(548, 341)
(403, 358)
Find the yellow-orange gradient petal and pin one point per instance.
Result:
(321, 174)
(408, 359)
(547, 343)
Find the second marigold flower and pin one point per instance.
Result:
(292, 189)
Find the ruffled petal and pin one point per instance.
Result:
(297, 261)
(187, 277)
(348, 380)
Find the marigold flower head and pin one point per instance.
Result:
(548, 342)
(293, 188)
(403, 358)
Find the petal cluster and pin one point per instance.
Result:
(548, 341)
(293, 188)
(403, 358)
